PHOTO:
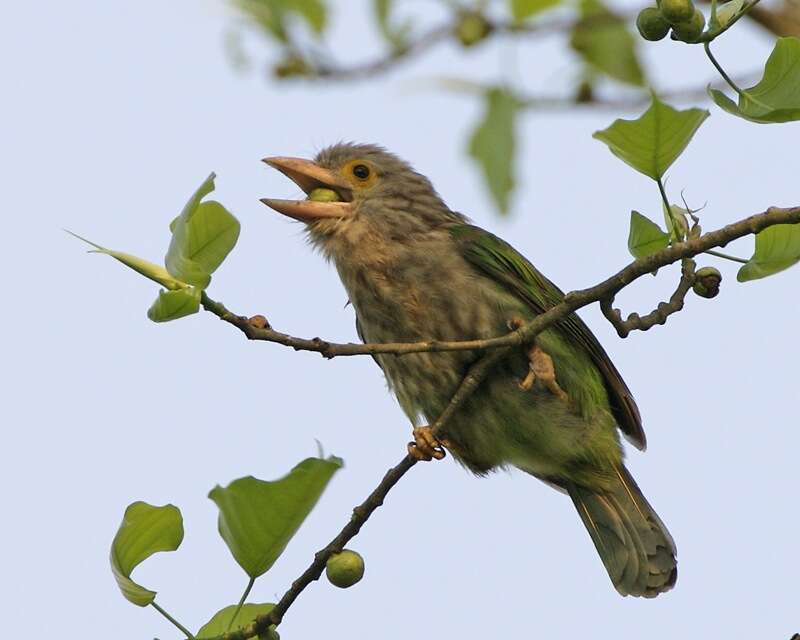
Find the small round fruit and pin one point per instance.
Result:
(472, 27)
(706, 282)
(323, 195)
(690, 31)
(676, 11)
(652, 24)
(345, 569)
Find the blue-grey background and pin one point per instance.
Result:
(113, 113)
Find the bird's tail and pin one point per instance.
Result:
(634, 545)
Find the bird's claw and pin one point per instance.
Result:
(541, 368)
(426, 446)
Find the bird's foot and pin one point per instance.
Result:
(541, 368)
(426, 446)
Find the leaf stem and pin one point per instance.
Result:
(707, 47)
(725, 256)
(241, 603)
(183, 629)
(664, 198)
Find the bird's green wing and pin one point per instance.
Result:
(504, 264)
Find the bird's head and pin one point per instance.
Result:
(371, 193)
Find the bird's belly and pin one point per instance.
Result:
(499, 424)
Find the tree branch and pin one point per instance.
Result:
(603, 292)
(781, 21)
(572, 301)
(660, 314)
(442, 33)
(362, 512)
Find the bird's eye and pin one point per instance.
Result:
(361, 171)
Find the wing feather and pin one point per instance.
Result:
(501, 262)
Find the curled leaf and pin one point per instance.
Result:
(171, 305)
(776, 98)
(145, 530)
(202, 237)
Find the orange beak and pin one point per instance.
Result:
(308, 176)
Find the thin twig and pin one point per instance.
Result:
(571, 302)
(660, 314)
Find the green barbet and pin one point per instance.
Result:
(415, 270)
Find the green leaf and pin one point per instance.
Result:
(652, 143)
(202, 236)
(145, 530)
(605, 43)
(268, 14)
(523, 9)
(147, 269)
(645, 236)
(220, 623)
(258, 518)
(171, 305)
(314, 12)
(492, 144)
(395, 34)
(777, 248)
(777, 97)
(271, 15)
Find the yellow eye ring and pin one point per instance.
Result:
(361, 173)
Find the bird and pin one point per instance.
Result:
(415, 270)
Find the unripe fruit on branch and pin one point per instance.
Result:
(706, 282)
(690, 31)
(472, 27)
(344, 569)
(676, 11)
(652, 24)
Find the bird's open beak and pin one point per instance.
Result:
(308, 176)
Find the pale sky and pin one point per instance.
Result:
(114, 112)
